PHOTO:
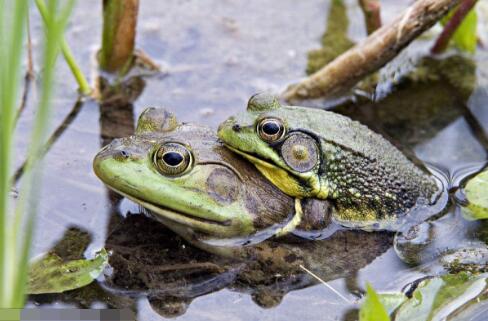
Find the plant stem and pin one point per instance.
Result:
(372, 14)
(20, 233)
(84, 87)
(119, 33)
(452, 25)
(11, 38)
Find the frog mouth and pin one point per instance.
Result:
(186, 219)
(253, 158)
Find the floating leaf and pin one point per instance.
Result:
(476, 191)
(50, 274)
(441, 297)
(465, 36)
(372, 309)
(391, 301)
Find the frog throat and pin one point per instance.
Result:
(284, 180)
(183, 219)
(178, 217)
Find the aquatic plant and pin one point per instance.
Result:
(476, 191)
(437, 298)
(373, 309)
(460, 27)
(51, 274)
(119, 33)
(84, 87)
(17, 217)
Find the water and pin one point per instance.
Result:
(214, 56)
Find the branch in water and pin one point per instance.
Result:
(452, 25)
(372, 14)
(373, 53)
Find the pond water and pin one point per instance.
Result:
(214, 55)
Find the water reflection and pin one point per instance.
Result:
(150, 260)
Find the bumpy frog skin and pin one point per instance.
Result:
(185, 176)
(315, 153)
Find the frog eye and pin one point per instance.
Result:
(271, 129)
(172, 159)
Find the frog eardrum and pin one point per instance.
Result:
(172, 159)
(300, 152)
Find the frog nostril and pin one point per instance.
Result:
(236, 128)
(124, 154)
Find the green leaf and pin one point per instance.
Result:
(391, 301)
(465, 36)
(372, 309)
(50, 274)
(476, 191)
(441, 297)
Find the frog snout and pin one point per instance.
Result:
(230, 123)
(115, 149)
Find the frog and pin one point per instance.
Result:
(186, 178)
(314, 153)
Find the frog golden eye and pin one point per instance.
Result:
(300, 152)
(271, 129)
(172, 159)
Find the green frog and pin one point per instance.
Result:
(312, 153)
(186, 178)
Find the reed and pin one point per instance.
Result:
(17, 218)
(119, 33)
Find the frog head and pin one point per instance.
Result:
(181, 173)
(268, 134)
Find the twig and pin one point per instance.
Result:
(54, 137)
(452, 25)
(372, 14)
(326, 284)
(373, 53)
(84, 87)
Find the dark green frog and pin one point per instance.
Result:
(312, 153)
